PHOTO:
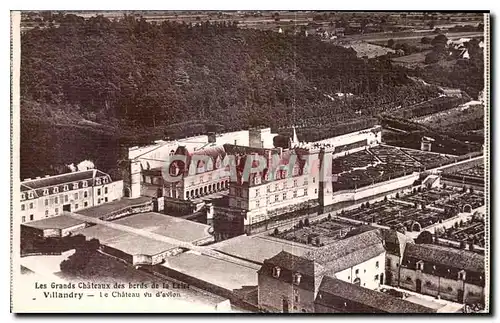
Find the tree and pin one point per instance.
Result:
(471, 246)
(318, 241)
(390, 43)
(367, 204)
(431, 58)
(424, 237)
(463, 244)
(301, 224)
(440, 40)
(276, 231)
(385, 198)
(425, 40)
(444, 186)
(397, 195)
(306, 222)
(329, 217)
(309, 239)
(461, 223)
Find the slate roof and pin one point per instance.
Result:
(58, 179)
(377, 301)
(289, 265)
(451, 257)
(346, 253)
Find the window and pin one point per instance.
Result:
(451, 289)
(57, 211)
(56, 200)
(23, 207)
(275, 187)
(106, 199)
(408, 278)
(315, 191)
(23, 219)
(46, 202)
(31, 217)
(105, 190)
(105, 180)
(46, 213)
(276, 198)
(76, 196)
(30, 195)
(306, 181)
(84, 184)
(296, 298)
(364, 271)
(357, 271)
(376, 264)
(296, 278)
(420, 265)
(76, 206)
(276, 272)
(257, 203)
(98, 191)
(65, 188)
(56, 189)
(46, 191)
(257, 193)
(98, 181)
(85, 204)
(284, 196)
(294, 183)
(75, 186)
(376, 277)
(23, 196)
(31, 205)
(314, 179)
(305, 192)
(85, 194)
(66, 198)
(461, 275)
(294, 194)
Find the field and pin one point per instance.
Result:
(412, 59)
(466, 117)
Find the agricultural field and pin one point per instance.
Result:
(466, 117)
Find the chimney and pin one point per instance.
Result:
(47, 176)
(27, 179)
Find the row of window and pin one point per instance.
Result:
(277, 188)
(55, 189)
(56, 211)
(66, 198)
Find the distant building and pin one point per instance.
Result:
(426, 143)
(51, 195)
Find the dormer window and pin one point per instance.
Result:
(23, 196)
(461, 275)
(75, 186)
(56, 189)
(30, 195)
(105, 180)
(296, 278)
(46, 191)
(84, 184)
(66, 188)
(98, 181)
(276, 272)
(420, 265)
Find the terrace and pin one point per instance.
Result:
(426, 158)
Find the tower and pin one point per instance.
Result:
(132, 179)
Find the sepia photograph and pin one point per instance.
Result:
(293, 162)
